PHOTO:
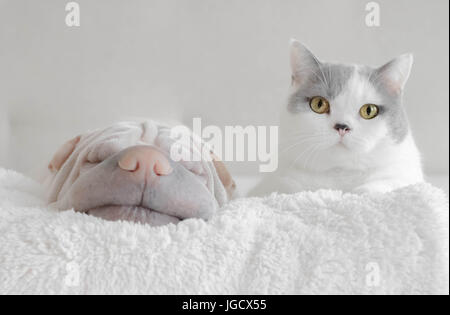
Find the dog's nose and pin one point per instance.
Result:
(145, 159)
(342, 129)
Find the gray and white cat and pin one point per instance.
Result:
(345, 128)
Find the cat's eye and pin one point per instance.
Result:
(319, 105)
(369, 111)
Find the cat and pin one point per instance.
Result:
(344, 128)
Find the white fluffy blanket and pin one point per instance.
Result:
(309, 243)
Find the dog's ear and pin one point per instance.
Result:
(63, 154)
(224, 175)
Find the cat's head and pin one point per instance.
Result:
(343, 108)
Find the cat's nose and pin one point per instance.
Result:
(342, 129)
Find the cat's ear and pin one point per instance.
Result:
(303, 62)
(395, 73)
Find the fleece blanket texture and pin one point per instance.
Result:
(324, 242)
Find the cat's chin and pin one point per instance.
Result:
(349, 147)
(342, 152)
(342, 147)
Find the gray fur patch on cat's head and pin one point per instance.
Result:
(392, 108)
(312, 77)
(326, 80)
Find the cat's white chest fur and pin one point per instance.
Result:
(345, 128)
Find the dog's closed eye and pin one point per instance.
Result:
(63, 154)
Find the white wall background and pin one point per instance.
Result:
(223, 60)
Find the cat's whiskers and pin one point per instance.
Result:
(314, 147)
(303, 134)
(293, 139)
(360, 141)
(300, 142)
(308, 156)
(319, 147)
(301, 155)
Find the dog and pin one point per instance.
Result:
(125, 173)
